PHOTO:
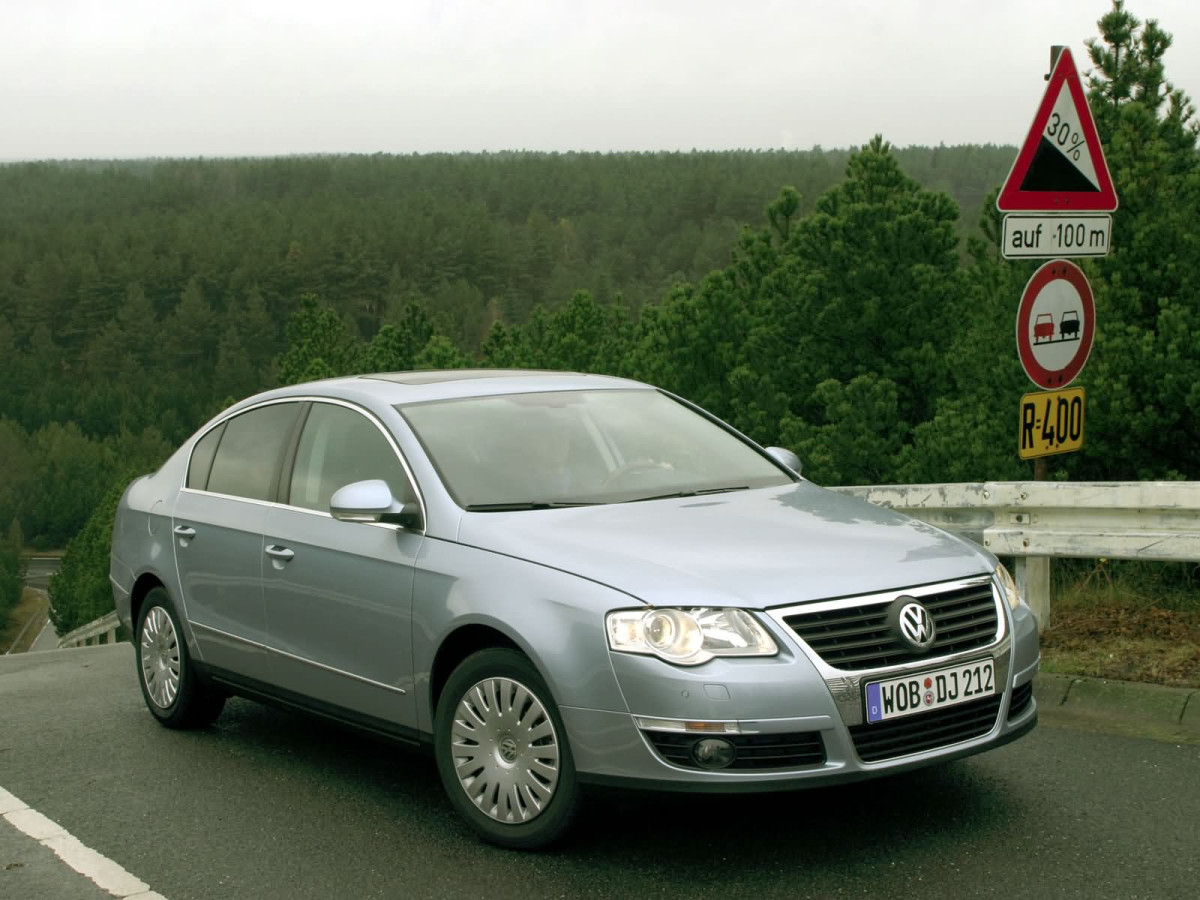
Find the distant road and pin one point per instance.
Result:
(47, 639)
(37, 575)
(39, 570)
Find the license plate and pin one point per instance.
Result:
(926, 691)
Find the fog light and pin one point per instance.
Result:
(713, 753)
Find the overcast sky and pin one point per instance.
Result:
(136, 78)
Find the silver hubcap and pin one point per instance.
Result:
(505, 750)
(160, 657)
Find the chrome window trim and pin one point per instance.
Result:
(220, 496)
(370, 416)
(301, 659)
(846, 685)
(391, 526)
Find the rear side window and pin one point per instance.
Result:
(202, 458)
(339, 447)
(248, 455)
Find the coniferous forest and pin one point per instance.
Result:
(849, 304)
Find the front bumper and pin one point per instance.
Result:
(792, 700)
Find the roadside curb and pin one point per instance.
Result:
(1098, 704)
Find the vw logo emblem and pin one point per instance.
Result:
(914, 623)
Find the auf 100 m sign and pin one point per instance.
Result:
(1051, 235)
(1051, 422)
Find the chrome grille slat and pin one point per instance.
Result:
(852, 645)
(978, 631)
(855, 635)
(980, 616)
(842, 616)
(831, 634)
(975, 622)
(978, 597)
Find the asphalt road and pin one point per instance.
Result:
(39, 569)
(271, 805)
(37, 575)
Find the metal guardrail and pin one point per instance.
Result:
(100, 631)
(1036, 520)
(1032, 521)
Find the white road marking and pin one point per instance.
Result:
(48, 624)
(105, 873)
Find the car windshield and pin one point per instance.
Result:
(563, 448)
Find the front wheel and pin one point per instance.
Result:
(170, 686)
(502, 751)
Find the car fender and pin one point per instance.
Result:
(555, 618)
(142, 532)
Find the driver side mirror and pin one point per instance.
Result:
(372, 501)
(785, 457)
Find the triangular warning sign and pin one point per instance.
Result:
(1061, 166)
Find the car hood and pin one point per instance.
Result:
(753, 549)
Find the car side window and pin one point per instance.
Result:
(248, 454)
(339, 447)
(202, 458)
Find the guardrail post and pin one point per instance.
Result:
(1033, 581)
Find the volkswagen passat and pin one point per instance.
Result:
(555, 580)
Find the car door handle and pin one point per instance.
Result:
(184, 531)
(276, 552)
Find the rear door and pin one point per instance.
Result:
(218, 535)
(338, 595)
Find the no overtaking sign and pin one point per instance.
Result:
(1056, 324)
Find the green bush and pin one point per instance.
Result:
(80, 592)
(12, 571)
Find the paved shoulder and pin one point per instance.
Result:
(1120, 707)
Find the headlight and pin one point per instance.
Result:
(688, 636)
(1010, 587)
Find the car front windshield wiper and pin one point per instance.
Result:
(698, 493)
(525, 504)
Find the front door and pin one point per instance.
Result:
(338, 595)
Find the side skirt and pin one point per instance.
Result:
(270, 695)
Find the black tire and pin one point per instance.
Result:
(524, 793)
(173, 692)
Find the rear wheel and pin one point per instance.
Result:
(502, 751)
(173, 692)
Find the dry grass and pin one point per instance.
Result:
(33, 606)
(1131, 623)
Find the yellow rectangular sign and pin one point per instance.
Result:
(1051, 422)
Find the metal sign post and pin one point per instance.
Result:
(1060, 197)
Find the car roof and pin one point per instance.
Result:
(397, 388)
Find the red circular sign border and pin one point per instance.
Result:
(1052, 271)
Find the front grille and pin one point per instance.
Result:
(858, 637)
(925, 731)
(1021, 698)
(754, 751)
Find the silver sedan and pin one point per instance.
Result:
(554, 580)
